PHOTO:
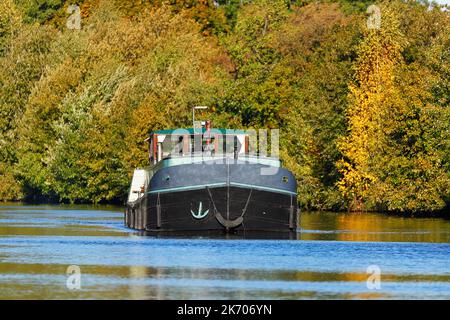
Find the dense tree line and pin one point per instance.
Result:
(363, 112)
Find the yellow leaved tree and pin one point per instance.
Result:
(373, 97)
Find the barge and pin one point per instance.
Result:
(207, 179)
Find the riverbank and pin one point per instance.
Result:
(444, 214)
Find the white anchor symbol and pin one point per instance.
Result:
(200, 215)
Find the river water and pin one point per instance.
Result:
(333, 256)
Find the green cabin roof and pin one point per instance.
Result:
(181, 131)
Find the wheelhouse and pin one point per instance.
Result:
(205, 142)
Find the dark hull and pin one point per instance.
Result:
(229, 196)
(245, 209)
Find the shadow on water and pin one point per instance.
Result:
(236, 235)
(329, 226)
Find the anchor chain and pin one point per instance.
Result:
(229, 224)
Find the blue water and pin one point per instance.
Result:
(329, 259)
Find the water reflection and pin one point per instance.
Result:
(373, 227)
(38, 243)
(368, 227)
(173, 283)
(237, 235)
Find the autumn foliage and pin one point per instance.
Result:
(363, 112)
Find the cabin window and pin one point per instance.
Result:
(227, 144)
(167, 146)
(174, 146)
(207, 144)
(197, 147)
